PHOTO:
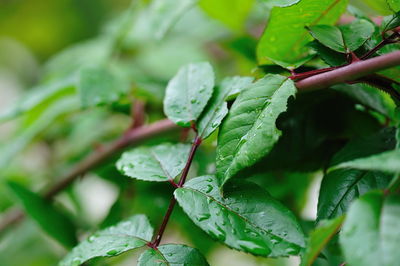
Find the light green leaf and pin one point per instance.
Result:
(319, 238)
(380, 6)
(172, 255)
(232, 13)
(281, 3)
(370, 234)
(388, 162)
(159, 163)
(394, 5)
(249, 131)
(285, 37)
(50, 219)
(188, 93)
(98, 85)
(217, 107)
(129, 234)
(345, 38)
(246, 218)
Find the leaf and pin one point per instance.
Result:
(284, 39)
(159, 163)
(232, 13)
(172, 255)
(246, 218)
(390, 22)
(132, 233)
(249, 131)
(319, 238)
(388, 162)
(345, 38)
(281, 3)
(370, 234)
(329, 56)
(188, 93)
(394, 5)
(217, 107)
(50, 219)
(340, 187)
(97, 86)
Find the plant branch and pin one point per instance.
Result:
(131, 137)
(350, 72)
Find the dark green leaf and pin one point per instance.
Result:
(159, 163)
(188, 93)
(172, 255)
(328, 55)
(232, 13)
(370, 234)
(329, 36)
(50, 219)
(249, 131)
(285, 38)
(217, 107)
(319, 238)
(112, 241)
(390, 22)
(99, 86)
(246, 218)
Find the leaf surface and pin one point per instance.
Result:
(247, 218)
(159, 163)
(249, 131)
(132, 233)
(172, 255)
(188, 93)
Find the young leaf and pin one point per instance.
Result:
(172, 255)
(188, 93)
(159, 163)
(129, 234)
(388, 162)
(249, 131)
(217, 107)
(370, 234)
(345, 38)
(98, 86)
(319, 238)
(50, 219)
(232, 13)
(284, 39)
(246, 218)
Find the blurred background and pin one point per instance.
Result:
(44, 130)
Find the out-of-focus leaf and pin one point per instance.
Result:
(285, 38)
(370, 234)
(394, 5)
(98, 85)
(232, 13)
(388, 162)
(246, 218)
(390, 22)
(249, 131)
(50, 219)
(159, 163)
(132, 233)
(319, 238)
(380, 6)
(217, 107)
(188, 93)
(281, 3)
(172, 255)
(345, 38)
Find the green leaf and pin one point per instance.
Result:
(285, 37)
(159, 163)
(232, 13)
(390, 22)
(50, 219)
(246, 218)
(98, 86)
(281, 3)
(388, 162)
(249, 131)
(188, 93)
(132, 233)
(172, 255)
(217, 107)
(345, 38)
(329, 56)
(319, 238)
(394, 5)
(370, 234)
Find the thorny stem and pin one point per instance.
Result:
(196, 143)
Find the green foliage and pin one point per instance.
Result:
(245, 218)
